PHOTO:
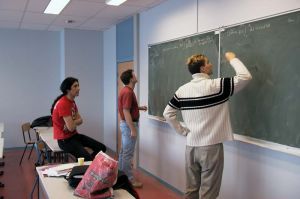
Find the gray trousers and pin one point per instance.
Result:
(204, 168)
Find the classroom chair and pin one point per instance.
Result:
(27, 138)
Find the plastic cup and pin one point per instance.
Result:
(80, 161)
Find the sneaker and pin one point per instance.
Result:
(136, 184)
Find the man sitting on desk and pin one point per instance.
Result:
(66, 118)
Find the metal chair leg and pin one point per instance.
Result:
(30, 151)
(38, 162)
(47, 153)
(23, 155)
(36, 183)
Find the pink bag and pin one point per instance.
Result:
(99, 178)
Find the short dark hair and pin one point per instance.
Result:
(195, 62)
(126, 76)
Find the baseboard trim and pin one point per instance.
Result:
(15, 148)
(162, 181)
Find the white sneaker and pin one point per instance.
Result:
(136, 184)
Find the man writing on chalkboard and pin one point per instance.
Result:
(203, 103)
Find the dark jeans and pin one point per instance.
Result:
(75, 146)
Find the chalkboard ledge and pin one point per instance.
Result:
(161, 119)
(266, 144)
(262, 143)
(157, 118)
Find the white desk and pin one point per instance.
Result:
(57, 187)
(46, 134)
(1, 147)
(1, 129)
(1, 140)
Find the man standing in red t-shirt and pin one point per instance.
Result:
(66, 118)
(129, 113)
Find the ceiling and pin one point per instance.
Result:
(85, 14)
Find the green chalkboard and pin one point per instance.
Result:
(167, 68)
(269, 108)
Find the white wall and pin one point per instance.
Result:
(110, 89)
(84, 60)
(250, 171)
(161, 150)
(29, 78)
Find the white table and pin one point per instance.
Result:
(57, 187)
(46, 135)
(1, 147)
(1, 129)
(1, 140)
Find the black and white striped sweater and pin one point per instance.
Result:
(203, 103)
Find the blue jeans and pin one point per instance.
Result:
(127, 149)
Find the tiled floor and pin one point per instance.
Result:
(19, 180)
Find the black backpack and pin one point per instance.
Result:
(76, 175)
(42, 121)
(124, 183)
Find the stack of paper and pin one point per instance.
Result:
(58, 170)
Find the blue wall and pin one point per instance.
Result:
(110, 92)
(29, 78)
(32, 66)
(83, 56)
(125, 40)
